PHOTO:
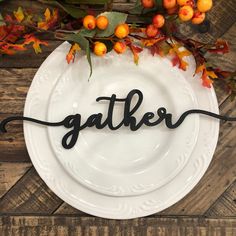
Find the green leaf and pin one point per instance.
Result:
(159, 4)
(114, 19)
(87, 33)
(137, 9)
(88, 54)
(75, 12)
(83, 43)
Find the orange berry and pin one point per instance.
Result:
(99, 49)
(198, 17)
(204, 5)
(158, 21)
(186, 13)
(102, 22)
(122, 31)
(119, 47)
(169, 3)
(173, 10)
(191, 3)
(148, 3)
(89, 22)
(186, 2)
(182, 2)
(151, 31)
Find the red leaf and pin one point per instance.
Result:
(135, 50)
(221, 46)
(175, 60)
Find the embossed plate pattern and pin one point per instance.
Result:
(147, 158)
(68, 189)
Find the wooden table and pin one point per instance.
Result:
(29, 207)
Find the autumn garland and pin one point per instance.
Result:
(109, 31)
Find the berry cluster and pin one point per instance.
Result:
(186, 9)
(101, 22)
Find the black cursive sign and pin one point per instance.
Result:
(73, 122)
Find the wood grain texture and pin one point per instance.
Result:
(225, 204)
(30, 195)
(13, 89)
(28, 225)
(28, 58)
(23, 192)
(10, 173)
(227, 61)
(66, 209)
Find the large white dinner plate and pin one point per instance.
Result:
(70, 190)
(124, 163)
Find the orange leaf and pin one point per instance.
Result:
(150, 42)
(175, 50)
(47, 14)
(135, 50)
(200, 68)
(71, 54)
(161, 48)
(10, 49)
(19, 14)
(50, 19)
(206, 81)
(212, 74)
(36, 42)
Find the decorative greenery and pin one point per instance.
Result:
(74, 21)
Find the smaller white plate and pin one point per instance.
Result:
(122, 162)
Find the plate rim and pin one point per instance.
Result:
(108, 215)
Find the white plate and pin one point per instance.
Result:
(146, 159)
(76, 194)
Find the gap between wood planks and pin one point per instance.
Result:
(226, 99)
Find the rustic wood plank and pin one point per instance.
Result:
(220, 174)
(12, 143)
(66, 209)
(225, 205)
(20, 100)
(10, 173)
(28, 225)
(227, 61)
(14, 87)
(13, 90)
(28, 58)
(29, 195)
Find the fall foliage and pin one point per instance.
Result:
(109, 31)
